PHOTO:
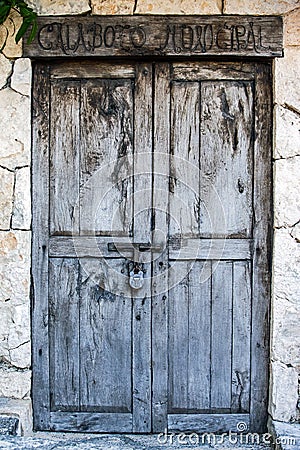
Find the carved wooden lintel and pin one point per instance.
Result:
(121, 36)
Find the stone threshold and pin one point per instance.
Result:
(16, 427)
(15, 417)
(286, 435)
(70, 441)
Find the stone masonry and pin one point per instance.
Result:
(15, 220)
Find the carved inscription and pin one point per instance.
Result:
(157, 35)
(91, 37)
(202, 39)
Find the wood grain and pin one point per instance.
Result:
(206, 423)
(262, 233)
(40, 233)
(64, 157)
(241, 337)
(178, 345)
(160, 294)
(199, 338)
(99, 246)
(194, 340)
(221, 336)
(184, 182)
(105, 342)
(226, 159)
(87, 69)
(193, 71)
(142, 220)
(141, 357)
(64, 331)
(211, 249)
(106, 157)
(91, 422)
(156, 35)
(142, 232)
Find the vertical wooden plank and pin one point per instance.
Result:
(64, 157)
(262, 235)
(141, 356)
(241, 337)
(226, 158)
(64, 333)
(106, 157)
(160, 350)
(40, 235)
(199, 338)
(184, 182)
(160, 263)
(142, 231)
(179, 339)
(143, 154)
(105, 339)
(221, 338)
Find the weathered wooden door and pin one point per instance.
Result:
(164, 167)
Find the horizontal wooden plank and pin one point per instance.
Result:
(187, 249)
(69, 36)
(91, 422)
(86, 246)
(85, 69)
(95, 247)
(214, 249)
(208, 423)
(193, 71)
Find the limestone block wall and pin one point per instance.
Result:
(285, 355)
(15, 220)
(15, 87)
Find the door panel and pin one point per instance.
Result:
(226, 162)
(64, 333)
(143, 134)
(106, 146)
(241, 336)
(164, 167)
(209, 363)
(199, 339)
(105, 344)
(221, 300)
(185, 130)
(64, 156)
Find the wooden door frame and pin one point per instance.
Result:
(262, 241)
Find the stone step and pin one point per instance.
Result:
(15, 417)
(70, 441)
(286, 435)
(8, 425)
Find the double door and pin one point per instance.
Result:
(151, 234)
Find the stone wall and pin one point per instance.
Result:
(15, 236)
(15, 84)
(285, 356)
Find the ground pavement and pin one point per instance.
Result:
(65, 441)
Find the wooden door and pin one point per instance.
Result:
(165, 167)
(210, 331)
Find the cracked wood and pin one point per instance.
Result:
(185, 159)
(157, 35)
